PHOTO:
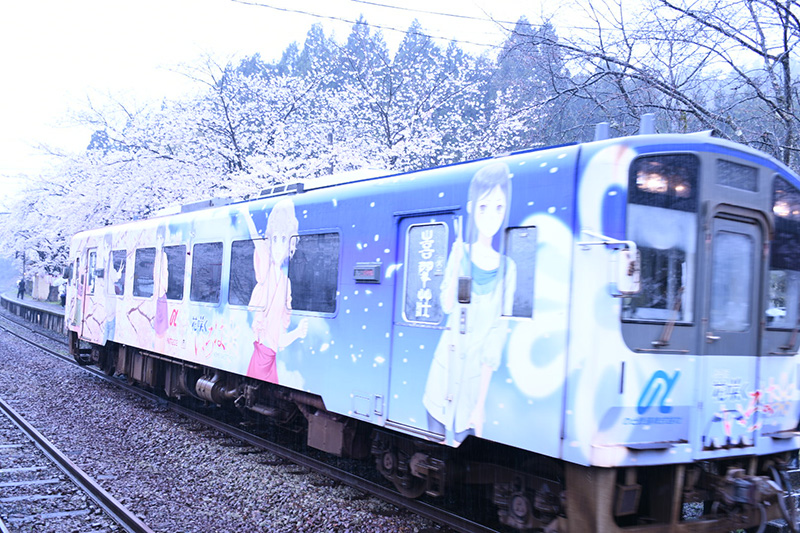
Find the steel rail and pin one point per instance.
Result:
(116, 511)
(425, 510)
(420, 508)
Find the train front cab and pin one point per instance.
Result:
(683, 398)
(85, 298)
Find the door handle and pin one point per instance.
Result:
(710, 337)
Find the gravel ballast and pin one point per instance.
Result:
(163, 467)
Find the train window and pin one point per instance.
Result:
(143, 282)
(314, 272)
(731, 283)
(206, 272)
(426, 250)
(116, 272)
(665, 181)
(662, 221)
(519, 275)
(176, 270)
(737, 176)
(784, 267)
(243, 276)
(91, 281)
(660, 297)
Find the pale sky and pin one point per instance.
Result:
(55, 55)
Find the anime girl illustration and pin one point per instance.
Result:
(466, 357)
(272, 293)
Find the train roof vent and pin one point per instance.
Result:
(278, 190)
(205, 204)
(602, 131)
(647, 124)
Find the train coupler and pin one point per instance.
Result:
(766, 495)
(737, 487)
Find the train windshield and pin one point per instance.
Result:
(662, 220)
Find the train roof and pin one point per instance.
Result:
(688, 141)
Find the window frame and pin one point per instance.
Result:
(111, 285)
(300, 237)
(527, 267)
(170, 275)
(720, 293)
(193, 273)
(407, 270)
(784, 325)
(687, 208)
(136, 278)
(720, 162)
(231, 273)
(91, 271)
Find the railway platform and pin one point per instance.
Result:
(49, 315)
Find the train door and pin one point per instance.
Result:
(79, 284)
(734, 287)
(419, 320)
(732, 318)
(87, 285)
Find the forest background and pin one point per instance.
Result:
(328, 107)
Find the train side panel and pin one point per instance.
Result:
(380, 347)
(353, 293)
(440, 354)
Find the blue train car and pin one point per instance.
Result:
(602, 333)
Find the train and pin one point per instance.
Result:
(599, 336)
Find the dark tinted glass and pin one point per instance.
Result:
(243, 277)
(143, 272)
(668, 181)
(314, 272)
(206, 272)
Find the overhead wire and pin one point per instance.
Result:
(501, 23)
(437, 13)
(377, 26)
(489, 46)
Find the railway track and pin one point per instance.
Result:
(448, 520)
(246, 439)
(42, 490)
(209, 425)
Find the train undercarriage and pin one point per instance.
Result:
(527, 492)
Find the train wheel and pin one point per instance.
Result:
(392, 459)
(396, 470)
(83, 358)
(101, 355)
(108, 365)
